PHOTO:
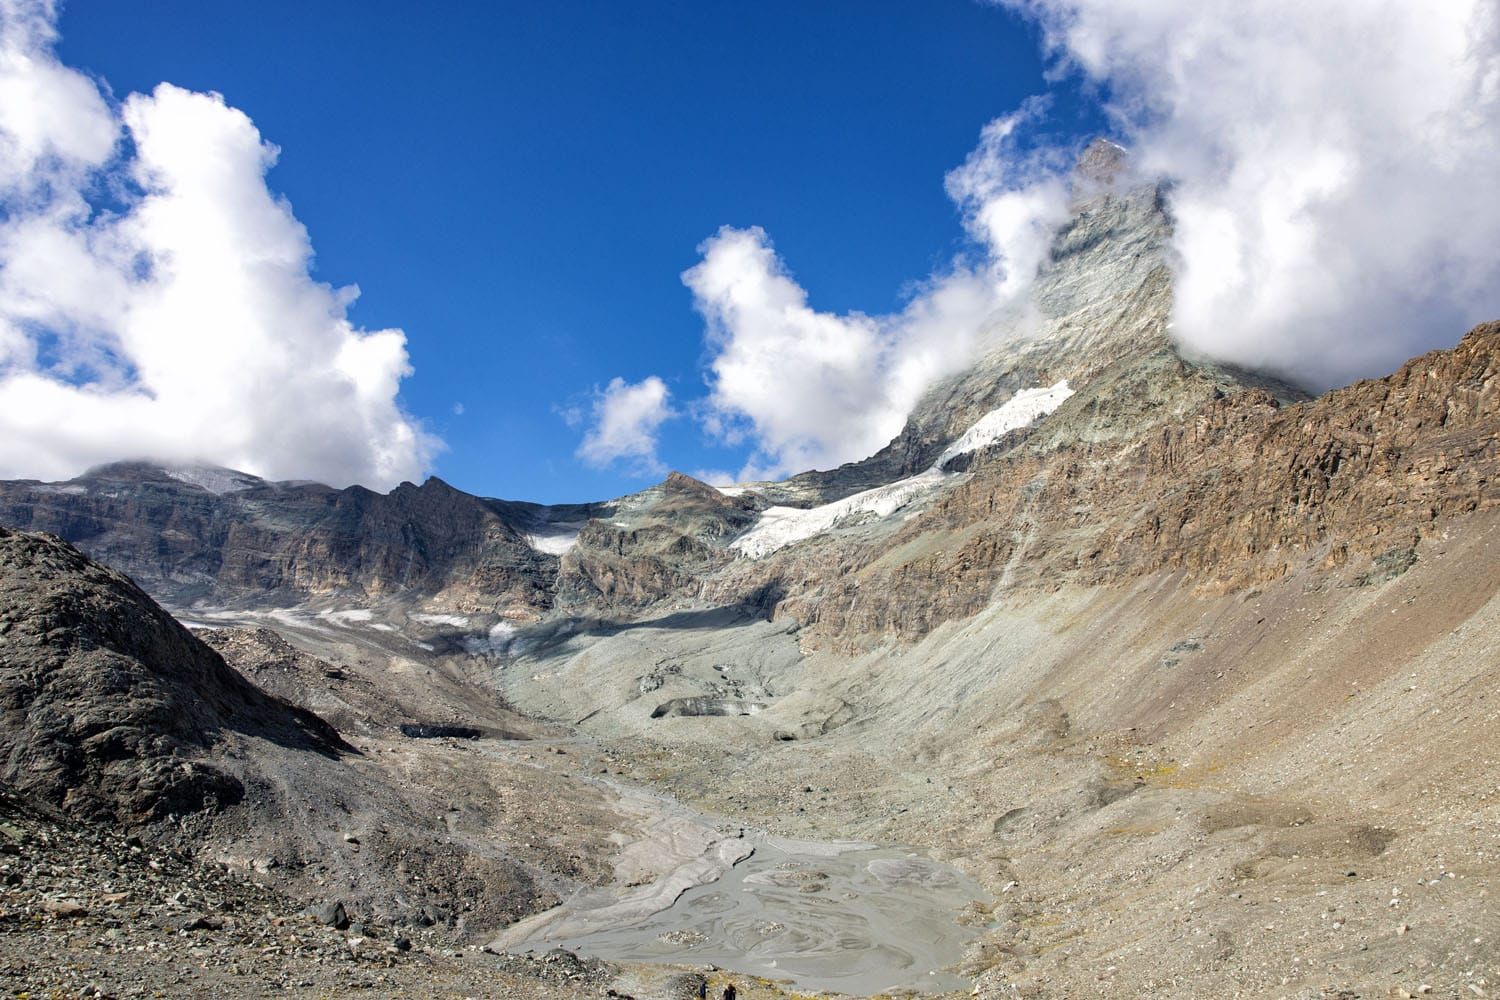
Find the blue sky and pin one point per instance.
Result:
(595, 241)
(519, 186)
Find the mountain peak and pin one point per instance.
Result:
(684, 482)
(1101, 163)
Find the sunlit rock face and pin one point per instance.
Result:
(206, 534)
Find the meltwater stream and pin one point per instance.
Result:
(694, 889)
(825, 917)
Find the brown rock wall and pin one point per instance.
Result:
(1235, 491)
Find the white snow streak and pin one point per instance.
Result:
(779, 527)
(213, 478)
(348, 617)
(555, 543)
(457, 621)
(1020, 410)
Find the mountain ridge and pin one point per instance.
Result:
(1237, 492)
(216, 536)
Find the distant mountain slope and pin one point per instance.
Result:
(656, 546)
(198, 534)
(219, 536)
(1154, 462)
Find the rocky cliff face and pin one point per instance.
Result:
(203, 534)
(207, 535)
(656, 546)
(108, 706)
(1231, 487)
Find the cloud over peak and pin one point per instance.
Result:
(625, 421)
(176, 320)
(809, 389)
(813, 390)
(1332, 171)
(1333, 167)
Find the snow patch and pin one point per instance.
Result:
(304, 618)
(779, 527)
(327, 622)
(285, 616)
(457, 621)
(1021, 409)
(496, 642)
(212, 478)
(555, 543)
(351, 616)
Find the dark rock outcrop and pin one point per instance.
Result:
(703, 705)
(108, 706)
(438, 731)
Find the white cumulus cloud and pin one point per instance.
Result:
(808, 389)
(813, 390)
(175, 318)
(1334, 166)
(1013, 202)
(626, 418)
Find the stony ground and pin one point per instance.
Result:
(90, 912)
(1289, 792)
(85, 912)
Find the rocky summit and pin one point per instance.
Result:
(1131, 673)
